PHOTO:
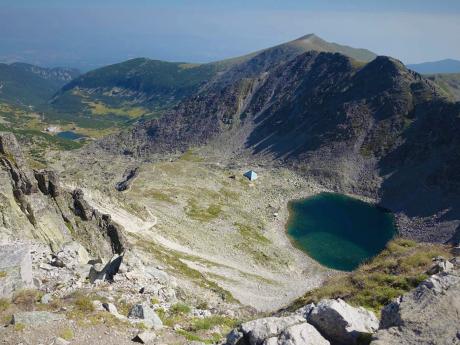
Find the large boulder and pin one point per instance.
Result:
(343, 324)
(15, 268)
(301, 334)
(146, 314)
(290, 330)
(107, 271)
(427, 315)
(258, 330)
(36, 318)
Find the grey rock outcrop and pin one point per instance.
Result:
(341, 323)
(128, 178)
(276, 330)
(145, 314)
(428, 315)
(110, 307)
(25, 212)
(301, 334)
(144, 337)
(441, 265)
(107, 271)
(60, 341)
(36, 317)
(15, 268)
(48, 182)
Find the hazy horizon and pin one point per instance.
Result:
(87, 34)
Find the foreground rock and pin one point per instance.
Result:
(276, 330)
(35, 317)
(145, 314)
(145, 337)
(15, 269)
(427, 315)
(341, 323)
(301, 334)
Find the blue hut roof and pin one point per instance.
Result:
(251, 175)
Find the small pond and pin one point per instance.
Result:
(338, 231)
(70, 135)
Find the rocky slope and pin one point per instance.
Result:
(34, 206)
(365, 129)
(426, 315)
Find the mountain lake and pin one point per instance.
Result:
(338, 231)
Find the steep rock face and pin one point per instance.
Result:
(366, 129)
(25, 211)
(33, 205)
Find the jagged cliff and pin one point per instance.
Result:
(35, 206)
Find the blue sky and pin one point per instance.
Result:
(90, 33)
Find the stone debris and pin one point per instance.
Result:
(46, 298)
(440, 265)
(60, 341)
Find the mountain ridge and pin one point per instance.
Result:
(344, 124)
(157, 85)
(433, 67)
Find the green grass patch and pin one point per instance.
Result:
(19, 327)
(4, 304)
(190, 156)
(189, 336)
(208, 323)
(251, 233)
(83, 303)
(180, 308)
(66, 334)
(398, 269)
(3, 274)
(159, 195)
(203, 214)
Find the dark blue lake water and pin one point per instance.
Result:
(338, 231)
(69, 135)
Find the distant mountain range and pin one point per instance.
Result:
(442, 66)
(156, 85)
(25, 84)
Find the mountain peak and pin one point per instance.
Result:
(308, 37)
